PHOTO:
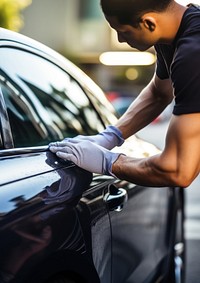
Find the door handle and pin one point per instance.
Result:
(115, 198)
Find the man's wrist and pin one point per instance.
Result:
(112, 137)
(117, 165)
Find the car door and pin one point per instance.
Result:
(136, 231)
(146, 228)
(42, 103)
(42, 221)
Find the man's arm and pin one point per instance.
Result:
(177, 165)
(149, 104)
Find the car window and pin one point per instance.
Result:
(44, 103)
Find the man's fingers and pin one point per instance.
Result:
(64, 143)
(57, 144)
(65, 152)
(55, 149)
(66, 156)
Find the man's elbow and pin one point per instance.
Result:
(183, 180)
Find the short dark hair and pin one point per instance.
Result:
(130, 11)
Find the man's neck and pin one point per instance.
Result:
(170, 22)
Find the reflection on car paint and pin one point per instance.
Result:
(36, 233)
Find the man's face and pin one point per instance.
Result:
(140, 38)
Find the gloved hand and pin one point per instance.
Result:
(86, 155)
(108, 139)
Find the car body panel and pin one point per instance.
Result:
(42, 203)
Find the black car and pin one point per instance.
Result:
(59, 223)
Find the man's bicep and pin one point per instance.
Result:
(163, 88)
(182, 148)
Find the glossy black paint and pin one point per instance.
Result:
(37, 206)
(59, 221)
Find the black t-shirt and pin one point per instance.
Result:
(181, 63)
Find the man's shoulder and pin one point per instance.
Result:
(191, 21)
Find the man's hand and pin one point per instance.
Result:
(86, 155)
(108, 139)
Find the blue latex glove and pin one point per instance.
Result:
(108, 139)
(86, 155)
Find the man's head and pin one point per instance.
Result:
(143, 23)
(129, 12)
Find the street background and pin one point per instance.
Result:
(155, 133)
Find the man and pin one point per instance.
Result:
(174, 31)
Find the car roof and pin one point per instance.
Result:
(15, 37)
(8, 37)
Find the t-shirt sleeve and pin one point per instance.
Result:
(185, 75)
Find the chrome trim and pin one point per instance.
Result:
(23, 150)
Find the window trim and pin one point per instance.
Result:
(23, 150)
(6, 139)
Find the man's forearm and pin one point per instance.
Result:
(139, 115)
(145, 172)
(147, 106)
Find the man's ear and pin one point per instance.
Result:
(149, 23)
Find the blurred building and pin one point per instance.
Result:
(72, 26)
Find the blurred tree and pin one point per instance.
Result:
(10, 16)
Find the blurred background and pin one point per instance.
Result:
(77, 29)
